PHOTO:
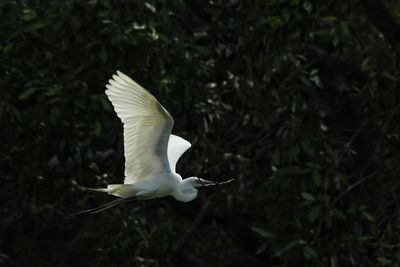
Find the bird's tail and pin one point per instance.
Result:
(104, 190)
(110, 188)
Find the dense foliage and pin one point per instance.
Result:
(297, 99)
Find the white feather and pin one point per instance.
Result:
(147, 128)
(176, 147)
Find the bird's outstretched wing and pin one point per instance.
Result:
(176, 147)
(147, 128)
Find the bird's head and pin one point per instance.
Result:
(187, 190)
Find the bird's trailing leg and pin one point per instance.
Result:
(101, 208)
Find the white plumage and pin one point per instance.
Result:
(147, 127)
(151, 151)
(176, 147)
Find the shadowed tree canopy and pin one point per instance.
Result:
(297, 99)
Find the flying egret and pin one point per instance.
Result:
(151, 151)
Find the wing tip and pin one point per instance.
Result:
(125, 77)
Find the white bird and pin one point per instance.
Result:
(151, 151)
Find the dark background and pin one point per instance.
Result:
(297, 99)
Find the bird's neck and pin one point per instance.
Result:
(185, 192)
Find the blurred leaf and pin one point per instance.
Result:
(329, 19)
(307, 196)
(28, 93)
(368, 216)
(310, 253)
(263, 233)
(314, 214)
(29, 14)
(384, 262)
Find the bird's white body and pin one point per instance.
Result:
(161, 185)
(151, 151)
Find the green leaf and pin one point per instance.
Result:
(27, 93)
(308, 196)
(288, 247)
(334, 261)
(314, 214)
(150, 7)
(329, 19)
(316, 178)
(368, 216)
(310, 253)
(105, 3)
(365, 238)
(29, 14)
(97, 128)
(275, 22)
(263, 233)
(384, 261)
